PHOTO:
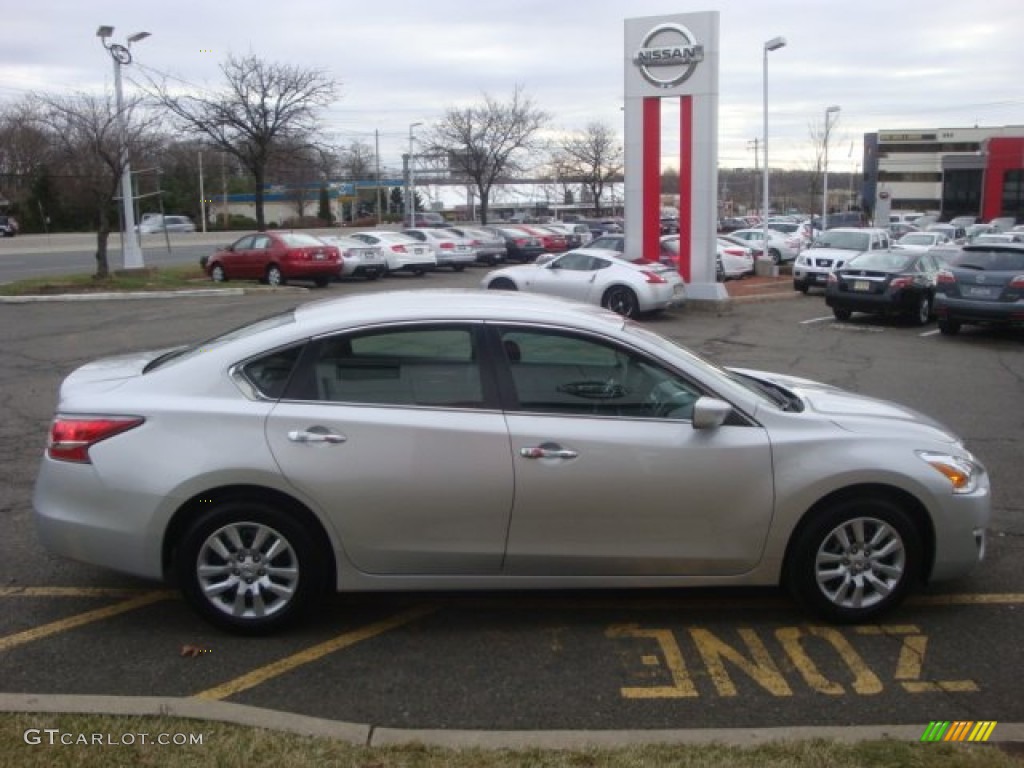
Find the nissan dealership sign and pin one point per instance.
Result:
(668, 55)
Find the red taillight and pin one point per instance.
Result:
(71, 438)
(652, 277)
(398, 248)
(901, 282)
(734, 252)
(1017, 282)
(447, 246)
(521, 241)
(945, 277)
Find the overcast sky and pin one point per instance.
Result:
(887, 64)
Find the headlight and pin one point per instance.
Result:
(962, 473)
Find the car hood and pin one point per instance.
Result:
(857, 413)
(842, 254)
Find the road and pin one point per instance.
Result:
(580, 660)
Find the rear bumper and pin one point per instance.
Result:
(968, 311)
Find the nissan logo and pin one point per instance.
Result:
(668, 55)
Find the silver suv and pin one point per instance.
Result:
(831, 250)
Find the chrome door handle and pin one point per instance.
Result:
(547, 451)
(315, 435)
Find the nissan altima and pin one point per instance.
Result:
(492, 440)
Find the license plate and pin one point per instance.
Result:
(861, 285)
(319, 256)
(678, 288)
(821, 278)
(978, 292)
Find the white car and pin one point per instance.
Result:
(156, 223)
(449, 249)
(735, 260)
(781, 247)
(921, 241)
(401, 253)
(358, 259)
(598, 277)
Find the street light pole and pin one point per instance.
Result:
(772, 45)
(130, 250)
(412, 183)
(824, 185)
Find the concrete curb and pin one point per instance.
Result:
(130, 295)
(369, 735)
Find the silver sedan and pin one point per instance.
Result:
(596, 276)
(483, 440)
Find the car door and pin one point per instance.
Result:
(570, 276)
(611, 478)
(395, 435)
(233, 258)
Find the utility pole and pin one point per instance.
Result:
(202, 192)
(376, 153)
(756, 143)
(224, 186)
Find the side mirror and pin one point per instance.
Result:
(710, 413)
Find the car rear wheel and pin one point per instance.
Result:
(274, 275)
(949, 327)
(923, 312)
(458, 267)
(217, 274)
(249, 567)
(502, 284)
(842, 314)
(621, 300)
(855, 560)
(321, 282)
(775, 255)
(802, 287)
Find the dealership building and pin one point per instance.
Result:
(952, 171)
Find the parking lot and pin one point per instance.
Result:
(579, 660)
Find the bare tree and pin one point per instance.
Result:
(85, 131)
(593, 156)
(24, 150)
(485, 143)
(263, 108)
(821, 136)
(358, 161)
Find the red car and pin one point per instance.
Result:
(552, 242)
(275, 258)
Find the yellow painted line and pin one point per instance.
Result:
(71, 592)
(316, 652)
(63, 625)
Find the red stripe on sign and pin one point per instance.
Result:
(685, 186)
(652, 179)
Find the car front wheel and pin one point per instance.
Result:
(274, 275)
(217, 274)
(249, 568)
(855, 560)
(923, 312)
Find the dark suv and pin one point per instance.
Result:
(982, 284)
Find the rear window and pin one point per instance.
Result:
(990, 260)
(847, 241)
(886, 261)
(299, 240)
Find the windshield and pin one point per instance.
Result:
(917, 240)
(883, 261)
(847, 241)
(184, 353)
(990, 260)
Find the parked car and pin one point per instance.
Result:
(955, 233)
(898, 229)
(275, 258)
(358, 259)
(731, 224)
(781, 247)
(884, 283)
(425, 219)
(846, 219)
(599, 277)
(1003, 223)
(8, 225)
(976, 230)
(576, 235)
(401, 253)
(450, 250)
(831, 250)
(668, 249)
(488, 248)
(1000, 237)
(983, 285)
(519, 245)
(553, 242)
(921, 241)
(735, 260)
(154, 223)
(364, 443)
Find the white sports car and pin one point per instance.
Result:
(596, 276)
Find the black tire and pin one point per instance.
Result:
(802, 287)
(419, 272)
(842, 314)
(238, 586)
(831, 572)
(274, 276)
(923, 312)
(501, 284)
(321, 282)
(372, 275)
(621, 300)
(775, 255)
(458, 267)
(949, 327)
(218, 275)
